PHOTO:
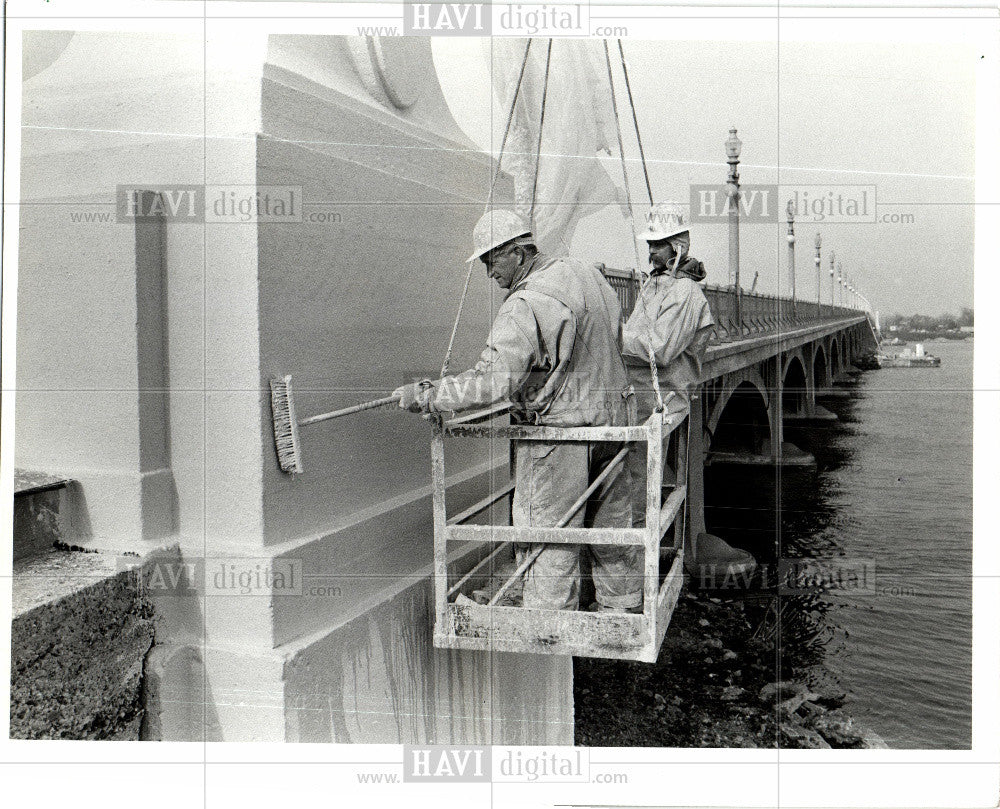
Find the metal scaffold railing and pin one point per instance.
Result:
(474, 610)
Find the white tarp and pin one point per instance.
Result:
(579, 125)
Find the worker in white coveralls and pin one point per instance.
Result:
(672, 320)
(553, 350)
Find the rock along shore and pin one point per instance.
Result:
(714, 685)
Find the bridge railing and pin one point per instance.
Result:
(760, 313)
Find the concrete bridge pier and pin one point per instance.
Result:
(697, 455)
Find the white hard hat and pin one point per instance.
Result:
(495, 228)
(663, 221)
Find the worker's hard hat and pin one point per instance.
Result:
(663, 221)
(495, 228)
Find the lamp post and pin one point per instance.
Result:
(791, 252)
(840, 282)
(833, 297)
(819, 272)
(733, 147)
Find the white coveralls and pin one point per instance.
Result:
(553, 350)
(672, 317)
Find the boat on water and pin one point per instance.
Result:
(909, 358)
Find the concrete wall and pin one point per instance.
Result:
(110, 313)
(89, 328)
(336, 689)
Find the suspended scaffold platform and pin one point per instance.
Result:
(498, 624)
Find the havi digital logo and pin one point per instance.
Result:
(447, 19)
(443, 763)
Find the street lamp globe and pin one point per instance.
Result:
(733, 146)
(819, 242)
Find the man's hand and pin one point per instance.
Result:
(415, 397)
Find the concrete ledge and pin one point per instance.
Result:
(791, 456)
(79, 637)
(820, 414)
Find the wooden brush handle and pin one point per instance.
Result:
(388, 400)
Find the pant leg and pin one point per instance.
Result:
(549, 479)
(617, 569)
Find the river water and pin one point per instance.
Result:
(889, 505)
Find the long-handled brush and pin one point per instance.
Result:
(286, 427)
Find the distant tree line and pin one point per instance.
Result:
(921, 324)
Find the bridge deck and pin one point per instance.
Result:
(721, 358)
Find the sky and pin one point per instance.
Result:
(899, 116)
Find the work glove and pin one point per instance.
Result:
(416, 396)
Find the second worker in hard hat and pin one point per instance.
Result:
(553, 351)
(672, 323)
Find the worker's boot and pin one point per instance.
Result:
(718, 565)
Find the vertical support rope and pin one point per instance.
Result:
(510, 119)
(635, 121)
(538, 147)
(489, 199)
(654, 375)
(458, 318)
(621, 154)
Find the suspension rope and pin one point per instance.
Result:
(635, 120)
(654, 375)
(621, 154)
(538, 146)
(489, 200)
(510, 119)
(458, 318)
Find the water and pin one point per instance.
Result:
(893, 489)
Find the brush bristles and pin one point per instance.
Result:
(286, 429)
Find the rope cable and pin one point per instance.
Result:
(635, 121)
(510, 119)
(489, 199)
(541, 126)
(654, 375)
(458, 318)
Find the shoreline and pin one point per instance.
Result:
(714, 685)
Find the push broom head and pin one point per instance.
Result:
(286, 429)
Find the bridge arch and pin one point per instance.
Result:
(739, 420)
(730, 382)
(821, 373)
(795, 354)
(795, 386)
